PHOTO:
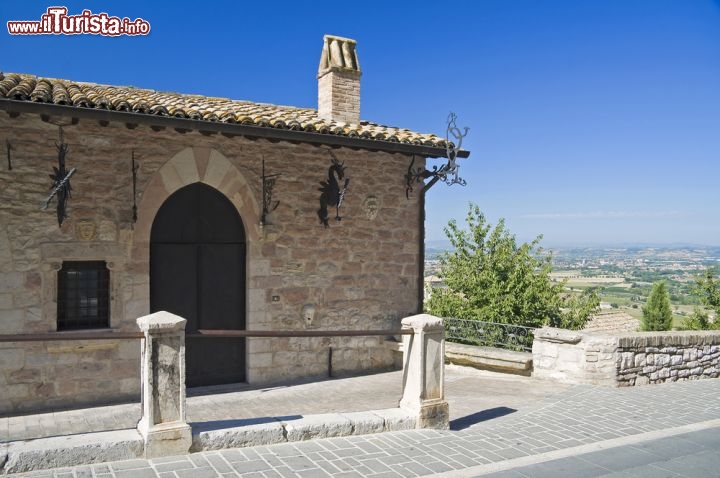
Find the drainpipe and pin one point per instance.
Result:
(421, 238)
(421, 267)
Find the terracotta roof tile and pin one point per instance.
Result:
(23, 87)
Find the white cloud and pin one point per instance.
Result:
(605, 215)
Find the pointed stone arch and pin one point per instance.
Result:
(191, 165)
(188, 166)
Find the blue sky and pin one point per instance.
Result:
(591, 122)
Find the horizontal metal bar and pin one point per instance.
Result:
(17, 106)
(297, 333)
(59, 336)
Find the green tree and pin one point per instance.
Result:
(491, 277)
(707, 288)
(657, 314)
(699, 320)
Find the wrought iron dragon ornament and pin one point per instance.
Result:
(449, 173)
(331, 194)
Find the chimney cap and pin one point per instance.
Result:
(338, 54)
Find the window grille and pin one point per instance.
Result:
(83, 295)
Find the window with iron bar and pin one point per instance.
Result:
(83, 295)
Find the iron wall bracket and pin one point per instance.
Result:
(449, 173)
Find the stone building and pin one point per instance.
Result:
(209, 208)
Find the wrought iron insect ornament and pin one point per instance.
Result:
(268, 183)
(332, 195)
(449, 172)
(9, 156)
(61, 182)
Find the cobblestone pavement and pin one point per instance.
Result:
(356, 394)
(581, 431)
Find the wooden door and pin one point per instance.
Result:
(197, 271)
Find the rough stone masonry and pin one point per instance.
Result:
(625, 359)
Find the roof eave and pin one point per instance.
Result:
(50, 109)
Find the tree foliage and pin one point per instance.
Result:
(657, 314)
(491, 277)
(707, 288)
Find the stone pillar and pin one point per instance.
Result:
(424, 371)
(163, 425)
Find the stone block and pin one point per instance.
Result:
(25, 375)
(627, 360)
(569, 358)
(251, 432)
(397, 419)
(72, 450)
(640, 359)
(11, 321)
(317, 426)
(11, 281)
(364, 423)
(435, 415)
(12, 358)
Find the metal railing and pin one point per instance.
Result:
(60, 336)
(490, 334)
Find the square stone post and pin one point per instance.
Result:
(163, 425)
(424, 371)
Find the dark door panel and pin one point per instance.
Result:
(221, 278)
(221, 290)
(173, 272)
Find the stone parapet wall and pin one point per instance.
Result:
(574, 356)
(656, 357)
(625, 359)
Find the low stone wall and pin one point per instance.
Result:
(625, 359)
(656, 357)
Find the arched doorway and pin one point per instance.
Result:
(197, 271)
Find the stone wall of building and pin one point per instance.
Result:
(358, 273)
(625, 359)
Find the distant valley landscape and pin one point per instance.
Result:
(622, 274)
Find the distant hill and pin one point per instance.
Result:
(437, 247)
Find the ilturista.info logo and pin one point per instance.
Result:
(56, 21)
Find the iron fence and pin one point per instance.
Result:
(490, 334)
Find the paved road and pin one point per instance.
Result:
(581, 431)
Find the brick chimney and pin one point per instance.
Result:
(339, 81)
